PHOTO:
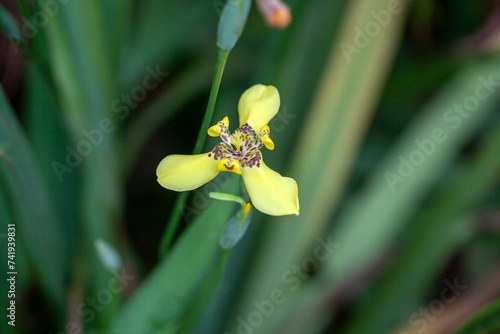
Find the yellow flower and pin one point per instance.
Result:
(239, 153)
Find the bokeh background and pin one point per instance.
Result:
(388, 121)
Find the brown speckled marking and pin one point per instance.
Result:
(248, 155)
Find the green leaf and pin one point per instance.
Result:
(165, 300)
(485, 321)
(362, 241)
(84, 72)
(36, 226)
(234, 230)
(108, 255)
(49, 139)
(9, 25)
(437, 235)
(6, 218)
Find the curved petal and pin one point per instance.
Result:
(258, 105)
(186, 172)
(270, 192)
(220, 127)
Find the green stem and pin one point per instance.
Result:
(227, 198)
(207, 120)
(180, 202)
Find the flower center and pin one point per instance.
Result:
(240, 149)
(242, 146)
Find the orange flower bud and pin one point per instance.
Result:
(276, 13)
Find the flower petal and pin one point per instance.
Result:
(258, 105)
(186, 172)
(264, 136)
(270, 192)
(229, 165)
(220, 127)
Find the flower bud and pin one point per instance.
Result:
(232, 22)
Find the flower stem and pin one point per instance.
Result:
(207, 120)
(180, 202)
(228, 198)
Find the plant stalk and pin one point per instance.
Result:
(180, 202)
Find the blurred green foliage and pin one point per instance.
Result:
(388, 123)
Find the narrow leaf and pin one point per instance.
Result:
(164, 300)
